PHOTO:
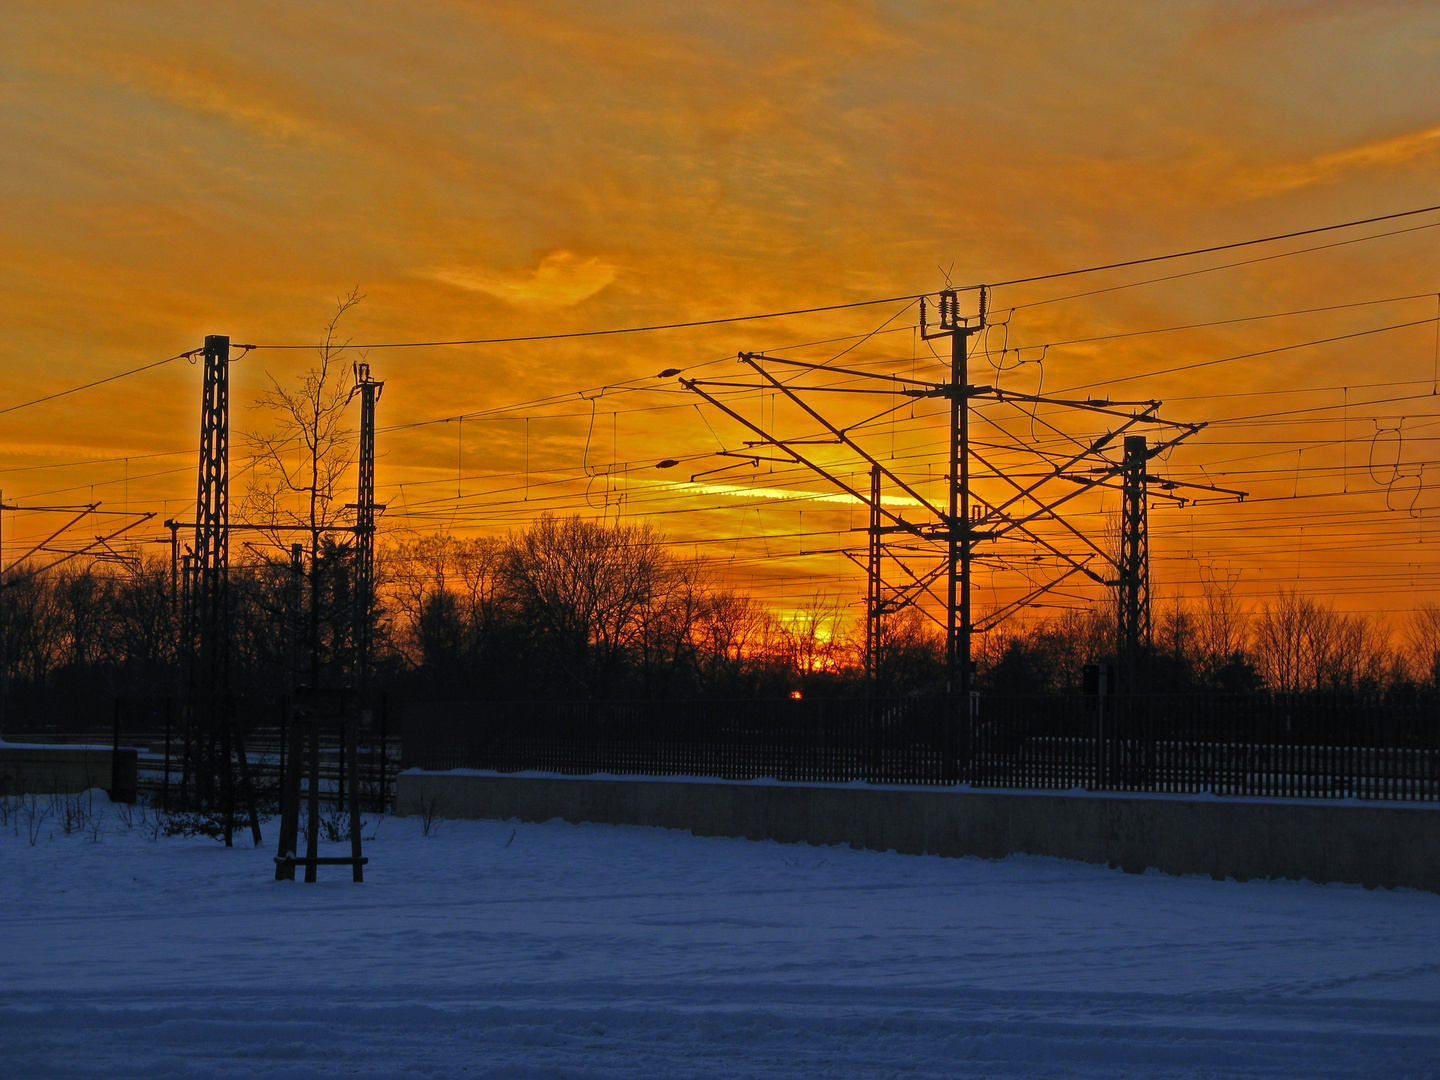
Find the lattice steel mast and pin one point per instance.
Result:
(218, 746)
(1133, 608)
(368, 389)
(959, 527)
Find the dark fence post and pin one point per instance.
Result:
(340, 766)
(115, 749)
(384, 780)
(165, 785)
(284, 730)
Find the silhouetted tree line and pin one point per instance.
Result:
(570, 608)
(575, 609)
(1290, 644)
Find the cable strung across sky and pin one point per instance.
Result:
(771, 314)
(705, 509)
(894, 299)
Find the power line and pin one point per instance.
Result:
(96, 461)
(1249, 355)
(97, 382)
(782, 314)
(889, 299)
(1220, 266)
(1213, 248)
(1221, 322)
(619, 329)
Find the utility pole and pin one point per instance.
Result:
(174, 527)
(872, 589)
(959, 531)
(1133, 614)
(207, 608)
(209, 602)
(369, 390)
(4, 627)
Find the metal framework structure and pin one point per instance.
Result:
(1010, 503)
(873, 602)
(1133, 592)
(216, 747)
(368, 390)
(207, 577)
(201, 586)
(958, 529)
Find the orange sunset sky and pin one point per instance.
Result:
(487, 170)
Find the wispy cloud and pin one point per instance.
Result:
(561, 279)
(223, 91)
(1329, 168)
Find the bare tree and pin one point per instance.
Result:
(1222, 626)
(909, 651)
(1177, 634)
(1304, 644)
(667, 638)
(299, 462)
(1422, 643)
(1285, 641)
(730, 623)
(581, 587)
(446, 594)
(811, 640)
(297, 467)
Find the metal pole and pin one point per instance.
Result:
(4, 626)
(961, 373)
(953, 664)
(340, 761)
(284, 718)
(350, 735)
(312, 840)
(165, 788)
(384, 780)
(115, 749)
(958, 531)
(208, 599)
(174, 527)
(1133, 608)
(369, 726)
(872, 597)
(369, 390)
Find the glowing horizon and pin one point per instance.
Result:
(508, 169)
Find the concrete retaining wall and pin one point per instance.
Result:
(1363, 843)
(58, 770)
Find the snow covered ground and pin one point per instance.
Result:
(514, 950)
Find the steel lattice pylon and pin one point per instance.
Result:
(368, 389)
(1133, 615)
(215, 747)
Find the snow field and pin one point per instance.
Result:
(513, 950)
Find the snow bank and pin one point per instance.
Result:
(493, 949)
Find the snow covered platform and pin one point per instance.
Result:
(1367, 843)
(514, 950)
